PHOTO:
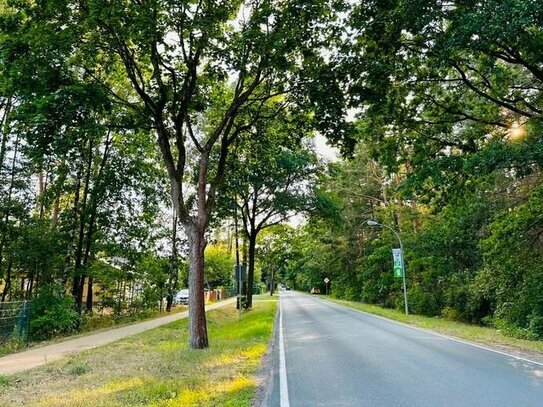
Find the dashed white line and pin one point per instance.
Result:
(283, 384)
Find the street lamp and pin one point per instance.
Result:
(375, 223)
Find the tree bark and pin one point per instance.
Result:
(174, 271)
(6, 235)
(42, 185)
(89, 295)
(197, 317)
(7, 286)
(75, 214)
(80, 288)
(272, 281)
(79, 276)
(251, 271)
(5, 130)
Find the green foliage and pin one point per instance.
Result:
(53, 314)
(513, 253)
(476, 260)
(154, 274)
(219, 266)
(449, 115)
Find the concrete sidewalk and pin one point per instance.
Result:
(17, 362)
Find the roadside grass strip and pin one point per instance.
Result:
(156, 368)
(474, 333)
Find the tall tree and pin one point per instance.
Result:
(445, 87)
(184, 72)
(274, 172)
(192, 68)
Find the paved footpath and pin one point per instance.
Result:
(17, 362)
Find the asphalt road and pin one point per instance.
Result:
(336, 356)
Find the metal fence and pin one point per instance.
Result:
(15, 320)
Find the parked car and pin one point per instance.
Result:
(182, 297)
(315, 290)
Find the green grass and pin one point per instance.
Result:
(90, 323)
(4, 380)
(474, 333)
(157, 368)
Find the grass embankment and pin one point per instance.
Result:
(483, 335)
(156, 368)
(90, 323)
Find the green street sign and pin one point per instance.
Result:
(398, 263)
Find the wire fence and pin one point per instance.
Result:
(15, 320)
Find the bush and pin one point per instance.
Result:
(351, 294)
(514, 331)
(535, 325)
(451, 314)
(53, 314)
(423, 302)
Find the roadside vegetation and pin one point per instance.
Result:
(176, 140)
(449, 156)
(157, 368)
(88, 323)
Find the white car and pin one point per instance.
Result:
(182, 297)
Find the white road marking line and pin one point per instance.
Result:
(475, 345)
(283, 385)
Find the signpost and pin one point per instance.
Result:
(240, 275)
(326, 281)
(397, 256)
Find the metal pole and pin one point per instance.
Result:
(403, 275)
(238, 268)
(403, 261)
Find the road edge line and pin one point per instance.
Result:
(428, 331)
(283, 384)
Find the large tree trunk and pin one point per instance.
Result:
(197, 317)
(90, 295)
(92, 219)
(251, 271)
(4, 123)
(81, 287)
(79, 275)
(6, 235)
(75, 217)
(174, 271)
(7, 286)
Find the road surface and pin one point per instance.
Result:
(336, 356)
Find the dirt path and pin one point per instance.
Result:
(18, 362)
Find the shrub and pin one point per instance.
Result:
(422, 302)
(77, 369)
(53, 314)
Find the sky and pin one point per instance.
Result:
(324, 150)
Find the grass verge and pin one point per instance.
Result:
(89, 324)
(483, 335)
(156, 368)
